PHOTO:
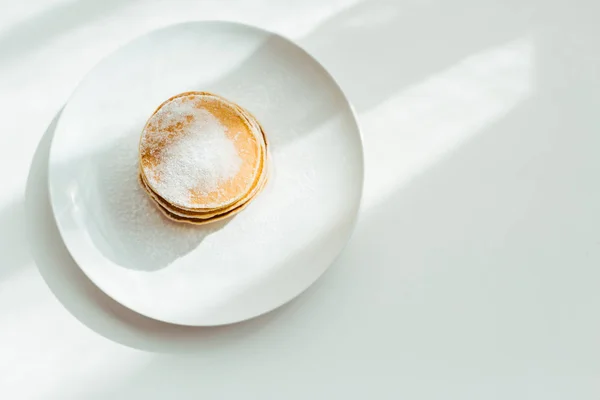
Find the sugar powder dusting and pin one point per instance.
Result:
(190, 149)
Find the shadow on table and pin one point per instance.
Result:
(13, 237)
(377, 48)
(52, 22)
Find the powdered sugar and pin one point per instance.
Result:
(199, 157)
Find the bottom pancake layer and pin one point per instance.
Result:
(226, 213)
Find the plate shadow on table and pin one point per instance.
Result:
(14, 238)
(88, 303)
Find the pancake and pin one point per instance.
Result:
(201, 153)
(198, 221)
(202, 158)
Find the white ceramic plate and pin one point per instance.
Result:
(224, 272)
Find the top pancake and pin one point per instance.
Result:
(199, 151)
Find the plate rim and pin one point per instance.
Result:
(75, 254)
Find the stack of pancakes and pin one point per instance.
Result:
(202, 158)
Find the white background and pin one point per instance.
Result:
(474, 271)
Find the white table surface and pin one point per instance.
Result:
(474, 271)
